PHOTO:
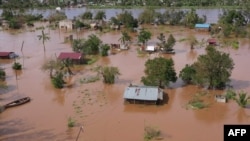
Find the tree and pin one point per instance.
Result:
(213, 69)
(144, 36)
(192, 18)
(109, 73)
(192, 41)
(159, 72)
(87, 15)
(125, 37)
(187, 74)
(147, 16)
(44, 37)
(100, 15)
(57, 80)
(104, 49)
(162, 39)
(126, 18)
(51, 66)
(65, 66)
(170, 43)
(89, 46)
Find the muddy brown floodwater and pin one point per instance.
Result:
(100, 108)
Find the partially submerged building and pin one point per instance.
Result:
(66, 24)
(143, 94)
(74, 56)
(204, 26)
(8, 55)
(220, 98)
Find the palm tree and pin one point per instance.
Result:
(242, 99)
(44, 37)
(125, 38)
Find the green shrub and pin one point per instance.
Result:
(17, 66)
(57, 80)
(2, 75)
(151, 133)
(71, 122)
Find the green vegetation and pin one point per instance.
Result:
(125, 38)
(144, 36)
(71, 122)
(151, 133)
(159, 72)
(57, 80)
(212, 69)
(197, 102)
(44, 37)
(104, 49)
(57, 69)
(108, 73)
(240, 98)
(88, 46)
(17, 66)
(2, 75)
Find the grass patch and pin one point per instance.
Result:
(151, 133)
(92, 59)
(90, 79)
(196, 102)
(141, 53)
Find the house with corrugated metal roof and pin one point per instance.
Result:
(204, 26)
(74, 56)
(143, 94)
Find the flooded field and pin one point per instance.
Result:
(99, 108)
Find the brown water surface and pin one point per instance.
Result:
(100, 108)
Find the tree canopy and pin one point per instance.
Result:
(212, 69)
(144, 36)
(159, 72)
(87, 46)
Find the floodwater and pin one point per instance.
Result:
(99, 108)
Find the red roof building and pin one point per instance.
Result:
(76, 57)
(8, 55)
(212, 41)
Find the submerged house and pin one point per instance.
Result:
(75, 57)
(8, 55)
(204, 26)
(66, 24)
(221, 98)
(143, 94)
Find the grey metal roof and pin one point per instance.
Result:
(149, 93)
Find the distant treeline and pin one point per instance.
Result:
(165, 3)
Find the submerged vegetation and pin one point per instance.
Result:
(198, 102)
(151, 133)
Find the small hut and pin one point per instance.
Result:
(66, 24)
(220, 98)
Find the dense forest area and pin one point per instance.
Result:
(166, 3)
